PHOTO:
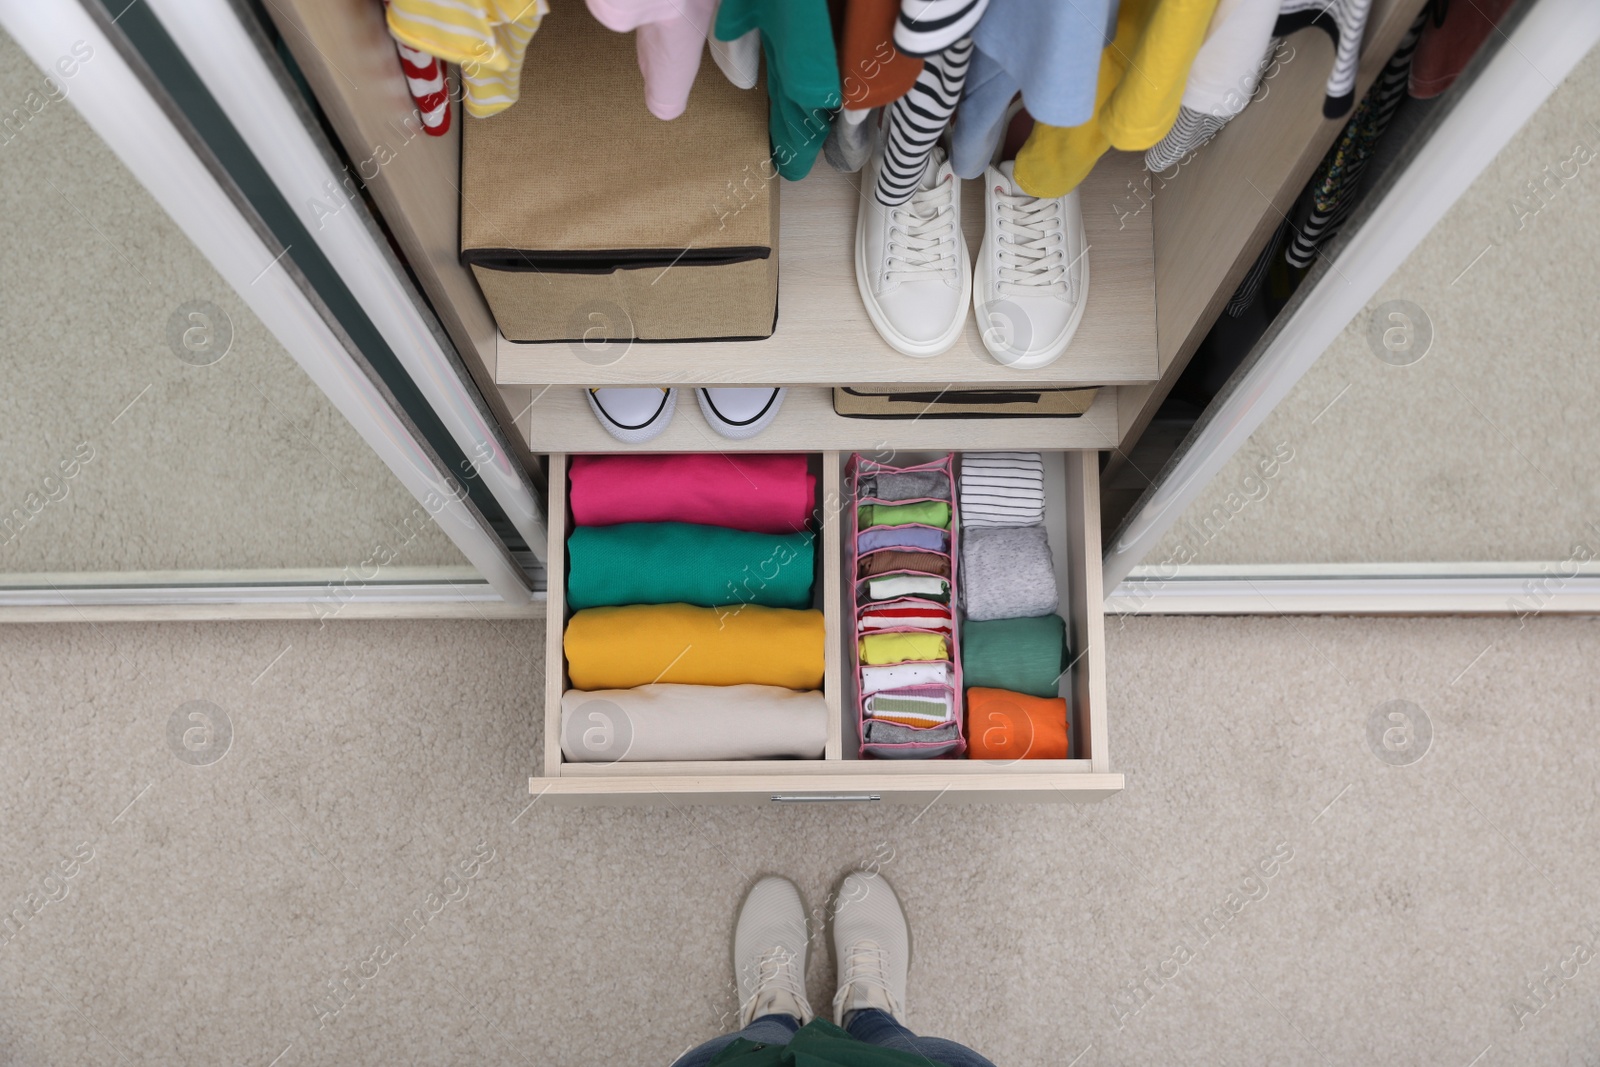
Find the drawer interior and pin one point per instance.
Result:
(1073, 525)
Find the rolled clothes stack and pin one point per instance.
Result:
(905, 624)
(692, 635)
(1013, 644)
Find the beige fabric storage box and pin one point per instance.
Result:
(586, 218)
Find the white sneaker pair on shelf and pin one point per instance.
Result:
(871, 943)
(917, 279)
(635, 415)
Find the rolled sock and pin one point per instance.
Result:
(903, 537)
(881, 732)
(899, 585)
(905, 485)
(1006, 573)
(1022, 655)
(914, 614)
(880, 649)
(891, 560)
(928, 513)
(1002, 489)
(903, 675)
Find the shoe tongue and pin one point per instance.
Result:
(1008, 173)
(936, 170)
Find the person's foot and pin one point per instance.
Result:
(871, 947)
(1032, 275)
(912, 266)
(769, 952)
(633, 416)
(738, 414)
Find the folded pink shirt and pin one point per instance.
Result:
(759, 492)
(671, 35)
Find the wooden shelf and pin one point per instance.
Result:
(825, 338)
(559, 420)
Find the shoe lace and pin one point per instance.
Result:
(922, 235)
(1030, 247)
(867, 964)
(775, 973)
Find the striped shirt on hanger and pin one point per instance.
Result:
(1002, 489)
(929, 26)
(918, 119)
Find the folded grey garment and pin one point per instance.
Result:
(849, 143)
(668, 721)
(1006, 573)
(879, 732)
(904, 485)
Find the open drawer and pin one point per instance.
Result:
(1072, 517)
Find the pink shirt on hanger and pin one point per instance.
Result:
(670, 36)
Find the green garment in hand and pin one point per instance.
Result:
(1022, 655)
(682, 563)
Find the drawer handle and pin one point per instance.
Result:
(809, 798)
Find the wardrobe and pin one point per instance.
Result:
(1167, 251)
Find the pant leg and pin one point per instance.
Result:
(767, 1030)
(879, 1028)
(918, 119)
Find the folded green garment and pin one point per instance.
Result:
(928, 512)
(681, 563)
(1023, 655)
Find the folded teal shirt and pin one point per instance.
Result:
(682, 563)
(1022, 655)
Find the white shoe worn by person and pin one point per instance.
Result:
(769, 952)
(633, 416)
(912, 265)
(871, 946)
(1032, 275)
(738, 414)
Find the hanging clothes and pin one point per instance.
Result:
(425, 82)
(1137, 97)
(738, 59)
(670, 36)
(802, 73)
(1048, 51)
(485, 38)
(1225, 75)
(1344, 21)
(872, 71)
(917, 120)
(1452, 36)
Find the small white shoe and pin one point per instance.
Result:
(912, 265)
(1032, 276)
(769, 952)
(871, 947)
(633, 416)
(738, 414)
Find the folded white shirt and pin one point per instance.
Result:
(906, 585)
(900, 675)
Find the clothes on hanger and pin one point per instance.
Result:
(738, 59)
(425, 81)
(927, 27)
(1344, 21)
(1223, 79)
(917, 120)
(1454, 32)
(670, 36)
(1156, 40)
(802, 73)
(872, 71)
(485, 38)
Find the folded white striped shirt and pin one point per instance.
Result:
(914, 708)
(1002, 489)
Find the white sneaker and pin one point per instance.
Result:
(633, 416)
(1032, 272)
(738, 414)
(871, 947)
(912, 265)
(769, 952)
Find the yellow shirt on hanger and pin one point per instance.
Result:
(485, 38)
(1140, 88)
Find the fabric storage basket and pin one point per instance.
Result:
(583, 216)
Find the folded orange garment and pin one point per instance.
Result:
(1009, 726)
(623, 647)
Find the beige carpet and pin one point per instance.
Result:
(121, 453)
(1406, 914)
(1488, 448)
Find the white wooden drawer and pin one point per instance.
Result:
(1073, 518)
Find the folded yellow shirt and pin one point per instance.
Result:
(619, 648)
(1142, 76)
(881, 649)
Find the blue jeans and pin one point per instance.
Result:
(870, 1025)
